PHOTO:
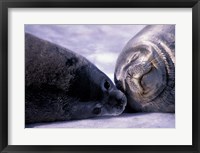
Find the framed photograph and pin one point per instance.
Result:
(99, 76)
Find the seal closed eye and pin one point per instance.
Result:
(62, 85)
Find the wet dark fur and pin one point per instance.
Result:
(62, 85)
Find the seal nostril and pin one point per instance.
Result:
(96, 111)
(119, 103)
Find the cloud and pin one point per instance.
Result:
(101, 44)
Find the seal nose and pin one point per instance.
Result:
(119, 99)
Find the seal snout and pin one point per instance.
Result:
(118, 99)
(121, 101)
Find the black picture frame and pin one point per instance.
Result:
(5, 4)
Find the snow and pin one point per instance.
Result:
(134, 120)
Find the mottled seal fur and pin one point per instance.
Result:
(62, 85)
(145, 70)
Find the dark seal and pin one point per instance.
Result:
(145, 70)
(62, 85)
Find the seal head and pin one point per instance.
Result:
(145, 70)
(62, 85)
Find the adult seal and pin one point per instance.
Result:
(145, 70)
(62, 85)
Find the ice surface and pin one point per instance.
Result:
(134, 120)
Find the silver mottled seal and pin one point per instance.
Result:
(62, 85)
(145, 70)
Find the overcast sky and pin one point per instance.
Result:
(100, 44)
